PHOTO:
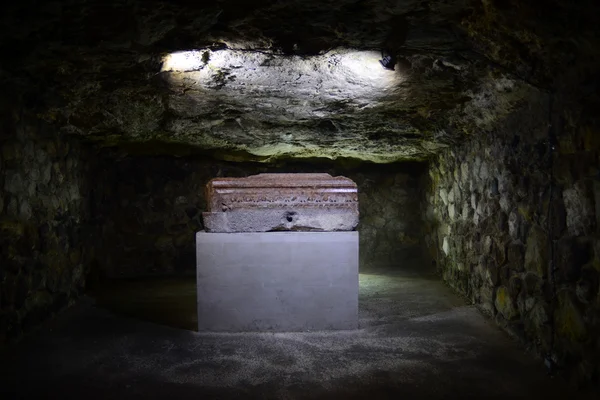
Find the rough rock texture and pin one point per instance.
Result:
(44, 248)
(339, 104)
(280, 79)
(480, 80)
(537, 42)
(515, 228)
(150, 209)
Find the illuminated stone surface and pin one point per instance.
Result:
(284, 79)
(281, 202)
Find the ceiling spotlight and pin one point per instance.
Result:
(388, 62)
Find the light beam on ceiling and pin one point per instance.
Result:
(343, 68)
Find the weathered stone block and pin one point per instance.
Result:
(280, 220)
(446, 246)
(10, 151)
(515, 285)
(452, 212)
(486, 298)
(464, 173)
(478, 214)
(536, 254)
(514, 222)
(466, 212)
(11, 230)
(486, 245)
(474, 201)
(25, 211)
(586, 288)
(505, 304)
(516, 253)
(484, 173)
(533, 284)
(271, 202)
(499, 250)
(537, 323)
(504, 203)
(454, 194)
(492, 273)
(580, 213)
(13, 182)
(568, 318)
(501, 222)
(505, 273)
(571, 255)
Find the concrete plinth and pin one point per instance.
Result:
(277, 281)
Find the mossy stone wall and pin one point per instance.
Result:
(514, 217)
(46, 243)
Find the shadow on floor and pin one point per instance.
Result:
(166, 301)
(172, 301)
(416, 339)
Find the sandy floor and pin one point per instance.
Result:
(416, 339)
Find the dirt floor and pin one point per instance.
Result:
(136, 340)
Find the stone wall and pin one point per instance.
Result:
(44, 251)
(514, 216)
(390, 223)
(150, 208)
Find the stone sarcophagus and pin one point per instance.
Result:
(281, 202)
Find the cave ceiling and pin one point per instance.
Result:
(268, 79)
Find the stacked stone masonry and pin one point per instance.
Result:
(44, 248)
(514, 217)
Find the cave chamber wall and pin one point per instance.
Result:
(47, 244)
(513, 217)
(150, 208)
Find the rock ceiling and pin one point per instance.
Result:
(270, 79)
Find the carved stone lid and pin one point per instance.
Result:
(283, 180)
(286, 190)
(276, 202)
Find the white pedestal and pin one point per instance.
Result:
(277, 281)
